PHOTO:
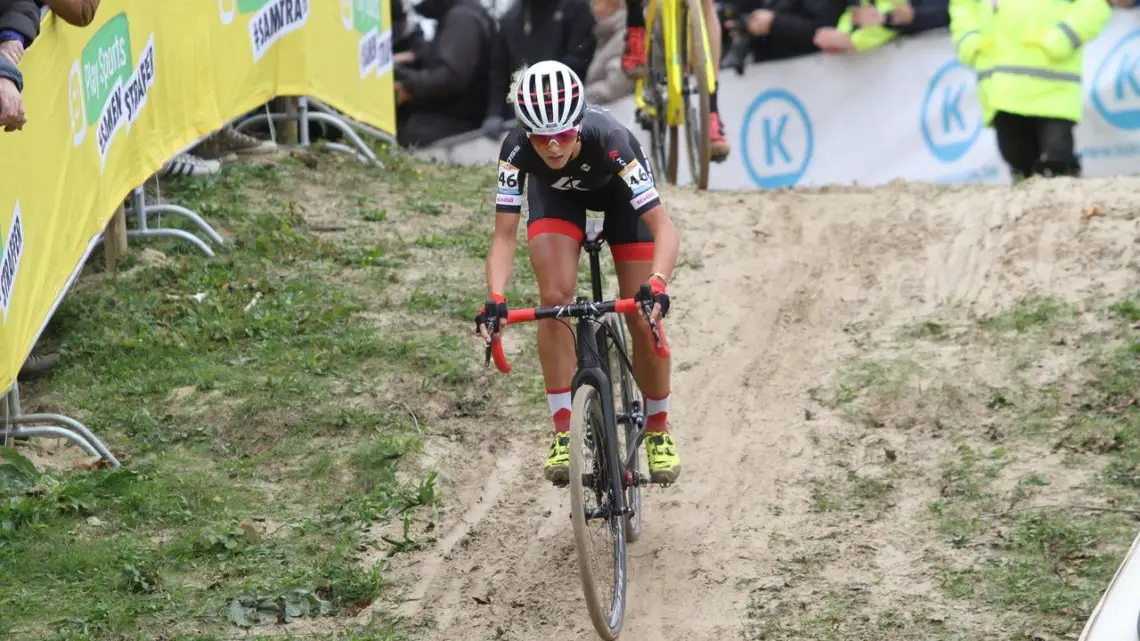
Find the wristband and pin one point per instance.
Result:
(498, 298)
(656, 286)
(661, 277)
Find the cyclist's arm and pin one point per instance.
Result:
(666, 241)
(508, 211)
(634, 171)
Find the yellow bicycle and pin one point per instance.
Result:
(676, 89)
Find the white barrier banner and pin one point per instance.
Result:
(908, 110)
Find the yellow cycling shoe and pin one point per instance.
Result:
(664, 462)
(557, 467)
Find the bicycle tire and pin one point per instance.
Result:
(697, 143)
(586, 410)
(627, 393)
(660, 136)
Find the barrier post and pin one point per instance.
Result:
(289, 126)
(115, 240)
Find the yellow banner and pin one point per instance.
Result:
(108, 104)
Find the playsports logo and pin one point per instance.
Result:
(107, 90)
(271, 20)
(366, 19)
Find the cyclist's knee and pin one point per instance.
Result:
(555, 295)
(638, 326)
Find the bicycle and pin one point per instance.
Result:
(613, 480)
(664, 96)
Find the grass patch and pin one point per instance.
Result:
(1035, 477)
(1030, 314)
(265, 419)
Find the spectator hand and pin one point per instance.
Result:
(402, 95)
(492, 127)
(1123, 4)
(832, 40)
(867, 15)
(11, 106)
(1037, 41)
(12, 51)
(760, 22)
(902, 14)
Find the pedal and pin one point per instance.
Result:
(643, 120)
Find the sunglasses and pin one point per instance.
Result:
(563, 138)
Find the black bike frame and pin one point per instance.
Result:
(594, 368)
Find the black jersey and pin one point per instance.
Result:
(609, 152)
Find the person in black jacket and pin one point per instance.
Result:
(533, 30)
(440, 86)
(786, 28)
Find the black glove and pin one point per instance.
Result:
(493, 311)
(654, 292)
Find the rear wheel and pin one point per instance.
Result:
(596, 511)
(661, 136)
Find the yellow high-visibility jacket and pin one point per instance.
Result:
(1027, 53)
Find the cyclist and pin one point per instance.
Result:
(635, 63)
(571, 157)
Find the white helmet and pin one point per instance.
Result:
(549, 98)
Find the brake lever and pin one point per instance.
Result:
(492, 329)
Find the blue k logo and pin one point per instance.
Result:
(776, 139)
(951, 117)
(1116, 84)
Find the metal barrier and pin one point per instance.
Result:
(322, 113)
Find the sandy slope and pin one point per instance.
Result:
(759, 320)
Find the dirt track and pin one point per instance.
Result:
(765, 310)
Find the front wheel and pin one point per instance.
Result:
(695, 93)
(597, 511)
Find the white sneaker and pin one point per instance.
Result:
(227, 143)
(190, 165)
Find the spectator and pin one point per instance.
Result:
(787, 28)
(11, 102)
(75, 12)
(407, 35)
(440, 86)
(533, 30)
(1029, 76)
(605, 79)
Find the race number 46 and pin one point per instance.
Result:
(508, 177)
(636, 177)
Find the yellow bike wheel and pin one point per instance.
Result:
(695, 97)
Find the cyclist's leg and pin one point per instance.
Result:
(631, 245)
(718, 147)
(555, 229)
(634, 61)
